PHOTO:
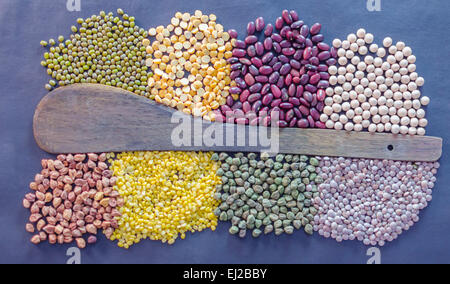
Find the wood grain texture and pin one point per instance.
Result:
(85, 118)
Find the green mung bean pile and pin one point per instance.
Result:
(104, 49)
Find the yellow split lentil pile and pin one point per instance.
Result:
(188, 61)
(166, 194)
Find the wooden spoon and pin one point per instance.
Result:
(84, 118)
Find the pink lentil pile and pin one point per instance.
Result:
(73, 196)
(285, 72)
(373, 201)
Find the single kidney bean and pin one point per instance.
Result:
(310, 88)
(311, 121)
(240, 44)
(233, 33)
(304, 31)
(324, 75)
(324, 55)
(279, 23)
(313, 79)
(303, 123)
(273, 62)
(275, 91)
(234, 74)
(315, 29)
(291, 90)
(237, 52)
(297, 24)
(251, 39)
(265, 70)
(275, 103)
(285, 69)
(299, 91)
(323, 84)
(257, 106)
(253, 70)
(236, 66)
(244, 61)
(295, 101)
(240, 83)
(284, 31)
(268, 43)
(251, 27)
(284, 95)
(280, 82)
(322, 68)
(288, 51)
(225, 108)
(277, 47)
(235, 90)
(267, 99)
(295, 64)
(230, 101)
(304, 110)
(286, 105)
(323, 46)
(320, 106)
(255, 88)
(283, 58)
(246, 106)
(293, 122)
(259, 48)
(294, 15)
(249, 79)
(286, 17)
(257, 62)
(265, 89)
(282, 124)
(320, 124)
(288, 79)
(331, 62)
(314, 113)
(259, 24)
(237, 105)
(321, 95)
(262, 79)
(251, 51)
(269, 30)
(244, 95)
(273, 78)
(232, 60)
(333, 52)
(290, 115)
(304, 102)
(276, 38)
(244, 70)
(285, 43)
(318, 38)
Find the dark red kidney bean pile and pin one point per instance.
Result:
(286, 72)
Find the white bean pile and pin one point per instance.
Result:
(373, 201)
(374, 88)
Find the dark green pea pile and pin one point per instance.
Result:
(264, 194)
(103, 49)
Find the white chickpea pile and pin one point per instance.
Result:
(374, 88)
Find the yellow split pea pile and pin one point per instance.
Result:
(188, 61)
(166, 194)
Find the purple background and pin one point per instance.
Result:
(423, 25)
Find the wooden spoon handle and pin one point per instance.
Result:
(84, 118)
